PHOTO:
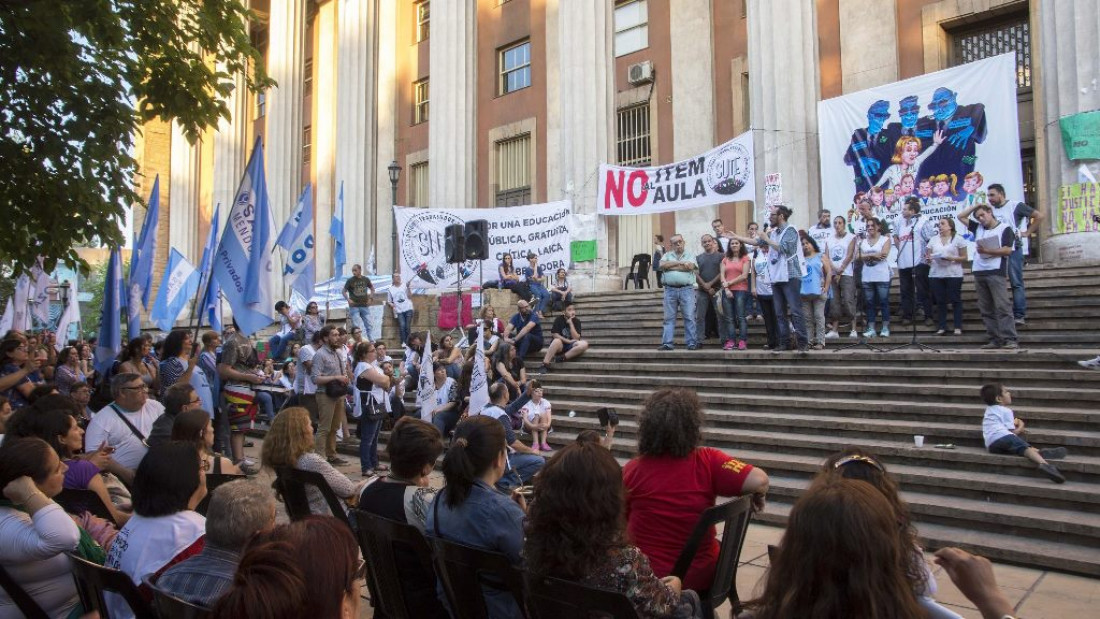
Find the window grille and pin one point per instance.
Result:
(987, 40)
(632, 136)
(513, 173)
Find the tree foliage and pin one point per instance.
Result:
(77, 79)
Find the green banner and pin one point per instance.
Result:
(582, 251)
(1081, 135)
(1079, 208)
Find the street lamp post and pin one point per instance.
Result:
(395, 175)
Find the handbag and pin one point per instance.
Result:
(372, 410)
(335, 389)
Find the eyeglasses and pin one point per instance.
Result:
(138, 388)
(857, 458)
(360, 570)
(193, 402)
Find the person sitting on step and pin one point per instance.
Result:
(1002, 431)
(567, 343)
(537, 417)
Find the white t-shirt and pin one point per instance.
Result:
(997, 423)
(821, 235)
(763, 277)
(107, 426)
(400, 300)
(532, 411)
(303, 382)
(837, 249)
(910, 237)
(880, 271)
(952, 249)
(376, 392)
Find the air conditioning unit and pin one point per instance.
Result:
(640, 73)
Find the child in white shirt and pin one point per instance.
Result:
(1002, 432)
(536, 417)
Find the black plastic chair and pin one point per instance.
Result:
(639, 272)
(463, 570)
(381, 540)
(19, 596)
(169, 606)
(76, 501)
(92, 581)
(552, 598)
(213, 480)
(291, 483)
(735, 514)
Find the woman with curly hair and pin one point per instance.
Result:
(674, 480)
(132, 359)
(576, 530)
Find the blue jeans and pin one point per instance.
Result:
(446, 421)
(530, 343)
(787, 297)
(277, 345)
(557, 298)
(267, 405)
(542, 296)
(368, 442)
(1016, 280)
(682, 298)
(876, 295)
(404, 320)
(360, 318)
(737, 327)
(521, 470)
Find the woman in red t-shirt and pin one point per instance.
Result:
(673, 480)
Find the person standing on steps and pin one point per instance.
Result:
(709, 279)
(994, 242)
(873, 252)
(678, 269)
(842, 252)
(1022, 219)
(359, 291)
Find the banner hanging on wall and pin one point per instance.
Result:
(1079, 205)
(943, 136)
(722, 174)
(518, 230)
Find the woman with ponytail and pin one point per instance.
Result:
(469, 511)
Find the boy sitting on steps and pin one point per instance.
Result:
(1002, 432)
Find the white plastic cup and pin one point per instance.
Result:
(918, 440)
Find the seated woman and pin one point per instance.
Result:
(510, 278)
(509, 369)
(561, 292)
(196, 427)
(673, 480)
(289, 443)
(307, 568)
(164, 529)
(19, 368)
(443, 411)
(576, 531)
(405, 497)
(449, 355)
(35, 533)
(469, 511)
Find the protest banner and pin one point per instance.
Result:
(1081, 135)
(1079, 205)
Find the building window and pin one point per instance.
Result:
(307, 77)
(423, 20)
(632, 135)
(986, 40)
(420, 101)
(418, 184)
(515, 67)
(261, 104)
(307, 144)
(631, 26)
(513, 171)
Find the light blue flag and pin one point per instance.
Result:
(336, 229)
(141, 263)
(290, 230)
(177, 288)
(243, 263)
(208, 304)
(300, 264)
(109, 342)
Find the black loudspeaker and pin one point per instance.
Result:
(477, 240)
(454, 243)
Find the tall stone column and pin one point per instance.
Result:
(580, 106)
(385, 126)
(868, 25)
(452, 141)
(283, 150)
(786, 86)
(231, 150)
(324, 138)
(183, 192)
(1066, 84)
(355, 163)
(692, 76)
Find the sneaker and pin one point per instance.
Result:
(546, 447)
(928, 322)
(941, 332)
(694, 347)
(1021, 321)
(337, 461)
(1053, 453)
(832, 335)
(885, 332)
(818, 346)
(382, 468)
(958, 331)
(248, 466)
(535, 446)
(367, 473)
(869, 333)
(1010, 345)
(854, 334)
(543, 369)
(991, 346)
(728, 345)
(1052, 473)
(1090, 364)
(665, 347)
(742, 345)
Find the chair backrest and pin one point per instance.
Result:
(19, 596)
(294, 483)
(735, 514)
(77, 501)
(93, 581)
(213, 480)
(643, 261)
(551, 598)
(463, 570)
(381, 539)
(169, 606)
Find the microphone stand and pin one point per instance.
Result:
(862, 341)
(913, 343)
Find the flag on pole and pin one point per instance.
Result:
(336, 229)
(21, 317)
(425, 387)
(177, 288)
(70, 315)
(8, 319)
(208, 302)
(141, 264)
(290, 229)
(243, 263)
(110, 324)
(479, 384)
(300, 266)
(40, 292)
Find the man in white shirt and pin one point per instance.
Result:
(124, 423)
(398, 298)
(822, 231)
(303, 382)
(911, 234)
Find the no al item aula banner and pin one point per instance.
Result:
(722, 174)
(944, 137)
(518, 230)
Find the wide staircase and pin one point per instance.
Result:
(786, 412)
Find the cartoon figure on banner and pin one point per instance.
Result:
(963, 126)
(878, 201)
(890, 202)
(924, 191)
(422, 248)
(943, 195)
(870, 148)
(908, 158)
(904, 188)
(971, 184)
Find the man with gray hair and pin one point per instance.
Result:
(237, 511)
(125, 423)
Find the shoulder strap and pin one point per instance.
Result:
(435, 513)
(217, 464)
(133, 428)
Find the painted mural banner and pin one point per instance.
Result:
(1079, 208)
(722, 174)
(943, 137)
(543, 229)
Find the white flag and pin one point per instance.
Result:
(69, 315)
(6, 321)
(40, 293)
(21, 318)
(425, 388)
(479, 385)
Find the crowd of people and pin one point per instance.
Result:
(805, 285)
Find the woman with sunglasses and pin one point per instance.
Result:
(312, 321)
